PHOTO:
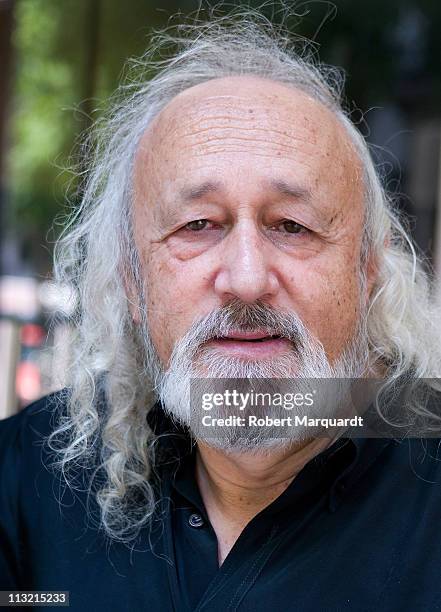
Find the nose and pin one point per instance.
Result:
(245, 270)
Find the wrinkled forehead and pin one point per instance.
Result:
(259, 124)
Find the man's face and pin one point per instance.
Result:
(250, 191)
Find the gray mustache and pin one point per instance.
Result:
(258, 316)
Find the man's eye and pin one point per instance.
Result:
(290, 227)
(198, 224)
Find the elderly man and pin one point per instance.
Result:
(233, 226)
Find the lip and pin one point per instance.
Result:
(247, 335)
(251, 345)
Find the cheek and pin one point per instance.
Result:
(174, 298)
(164, 300)
(328, 302)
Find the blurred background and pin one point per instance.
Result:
(61, 59)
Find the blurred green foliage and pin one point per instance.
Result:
(41, 129)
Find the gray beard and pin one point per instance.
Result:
(304, 363)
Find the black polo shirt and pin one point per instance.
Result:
(357, 529)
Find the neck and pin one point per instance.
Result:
(236, 487)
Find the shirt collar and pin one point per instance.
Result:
(336, 469)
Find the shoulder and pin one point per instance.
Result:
(22, 437)
(23, 475)
(32, 423)
(413, 466)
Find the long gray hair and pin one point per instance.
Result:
(96, 255)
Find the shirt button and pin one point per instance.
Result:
(195, 520)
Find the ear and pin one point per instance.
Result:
(371, 275)
(372, 269)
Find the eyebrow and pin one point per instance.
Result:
(199, 191)
(293, 191)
